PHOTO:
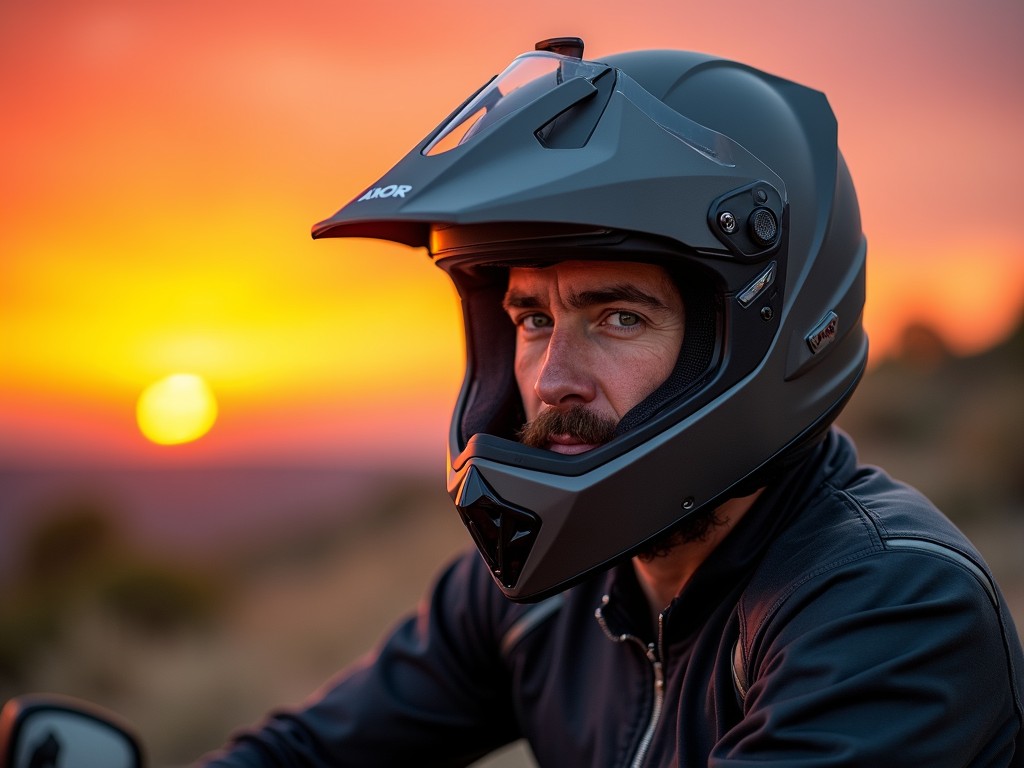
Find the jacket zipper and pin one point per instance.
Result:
(653, 653)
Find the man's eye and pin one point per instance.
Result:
(624, 319)
(536, 322)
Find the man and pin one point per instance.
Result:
(680, 562)
(594, 339)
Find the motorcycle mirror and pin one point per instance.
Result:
(47, 731)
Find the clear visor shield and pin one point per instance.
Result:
(532, 75)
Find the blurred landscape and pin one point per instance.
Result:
(192, 601)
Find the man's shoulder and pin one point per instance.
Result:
(866, 598)
(869, 510)
(853, 508)
(858, 523)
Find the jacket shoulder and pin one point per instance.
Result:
(854, 512)
(869, 594)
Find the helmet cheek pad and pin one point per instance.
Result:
(491, 400)
(749, 207)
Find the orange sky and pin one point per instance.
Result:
(161, 164)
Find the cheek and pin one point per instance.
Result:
(526, 377)
(629, 381)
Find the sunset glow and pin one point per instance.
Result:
(163, 164)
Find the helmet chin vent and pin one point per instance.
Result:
(504, 534)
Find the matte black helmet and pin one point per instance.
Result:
(728, 177)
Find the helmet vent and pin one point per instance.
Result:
(504, 534)
(762, 207)
(763, 226)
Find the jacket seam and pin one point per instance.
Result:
(741, 654)
(528, 622)
(954, 556)
(926, 546)
(780, 601)
(877, 546)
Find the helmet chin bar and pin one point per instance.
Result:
(639, 495)
(503, 533)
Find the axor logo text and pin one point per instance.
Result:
(391, 190)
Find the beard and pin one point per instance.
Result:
(695, 527)
(588, 427)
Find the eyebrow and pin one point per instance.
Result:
(612, 294)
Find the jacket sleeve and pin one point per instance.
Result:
(433, 694)
(890, 659)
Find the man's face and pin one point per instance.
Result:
(591, 336)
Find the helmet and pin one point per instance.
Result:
(728, 177)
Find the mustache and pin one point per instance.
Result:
(577, 422)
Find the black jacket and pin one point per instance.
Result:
(844, 621)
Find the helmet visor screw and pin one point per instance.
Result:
(767, 313)
(727, 222)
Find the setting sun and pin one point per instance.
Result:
(176, 409)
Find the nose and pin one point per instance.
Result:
(564, 377)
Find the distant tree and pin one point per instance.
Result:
(76, 537)
(923, 347)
